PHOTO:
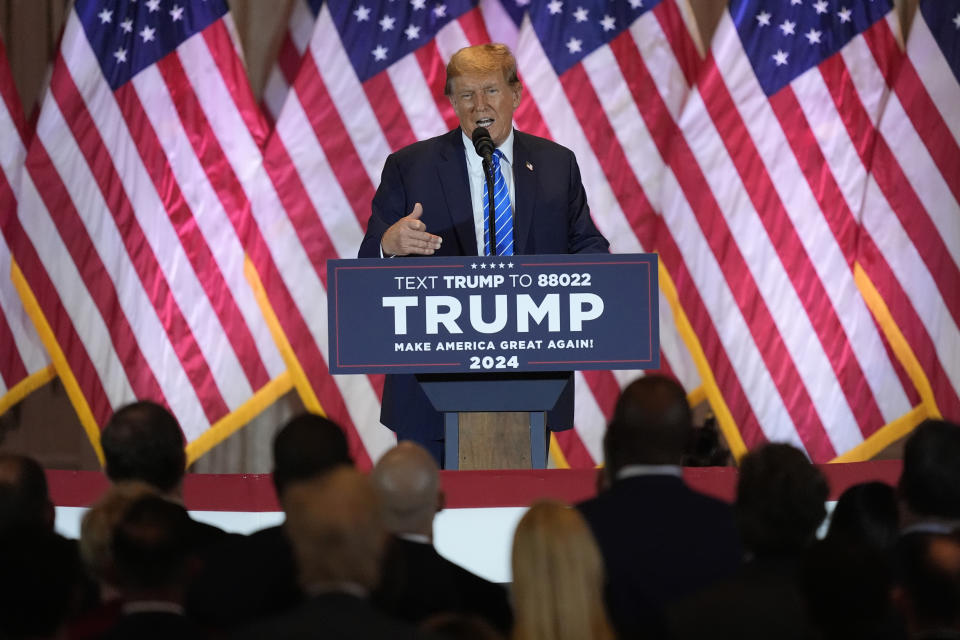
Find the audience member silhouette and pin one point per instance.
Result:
(154, 554)
(780, 504)
(929, 488)
(558, 577)
(660, 540)
(459, 626)
(335, 524)
(417, 581)
(40, 583)
(866, 514)
(927, 579)
(24, 500)
(96, 543)
(255, 576)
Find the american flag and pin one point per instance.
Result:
(24, 364)
(762, 200)
(135, 206)
(910, 248)
(370, 83)
(293, 44)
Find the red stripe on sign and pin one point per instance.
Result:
(435, 74)
(194, 244)
(389, 112)
(97, 280)
(574, 450)
(334, 139)
(12, 367)
(605, 390)
(474, 27)
(138, 249)
(796, 262)
(234, 75)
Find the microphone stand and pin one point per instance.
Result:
(491, 208)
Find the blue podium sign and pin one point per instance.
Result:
(506, 313)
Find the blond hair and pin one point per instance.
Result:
(482, 59)
(558, 577)
(99, 523)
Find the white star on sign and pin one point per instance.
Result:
(780, 57)
(105, 16)
(788, 27)
(813, 36)
(120, 55)
(763, 18)
(153, 5)
(362, 13)
(795, 2)
(580, 14)
(609, 23)
(176, 13)
(844, 14)
(413, 32)
(956, 20)
(440, 10)
(147, 34)
(574, 45)
(380, 53)
(386, 23)
(127, 25)
(820, 6)
(636, 4)
(418, 4)
(555, 7)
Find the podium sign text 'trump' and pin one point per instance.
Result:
(507, 313)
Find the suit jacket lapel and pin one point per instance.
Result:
(452, 172)
(525, 181)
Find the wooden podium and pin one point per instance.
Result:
(495, 420)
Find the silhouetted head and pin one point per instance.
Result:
(143, 441)
(651, 424)
(307, 446)
(24, 500)
(930, 480)
(408, 482)
(866, 514)
(780, 500)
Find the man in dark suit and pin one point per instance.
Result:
(430, 202)
(418, 582)
(660, 540)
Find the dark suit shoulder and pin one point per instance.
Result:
(428, 148)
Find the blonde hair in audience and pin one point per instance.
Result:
(98, 524)
(558, 577)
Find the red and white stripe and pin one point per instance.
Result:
(911, 213)
(133, 206)
(761, 199)
(23, 354)
(292, 47)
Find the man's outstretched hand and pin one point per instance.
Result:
(408, 236)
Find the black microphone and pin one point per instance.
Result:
(483, 143)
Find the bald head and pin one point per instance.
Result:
(336, 529)
(408, 482)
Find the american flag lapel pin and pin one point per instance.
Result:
(529, 165)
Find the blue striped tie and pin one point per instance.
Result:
(502, 211)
